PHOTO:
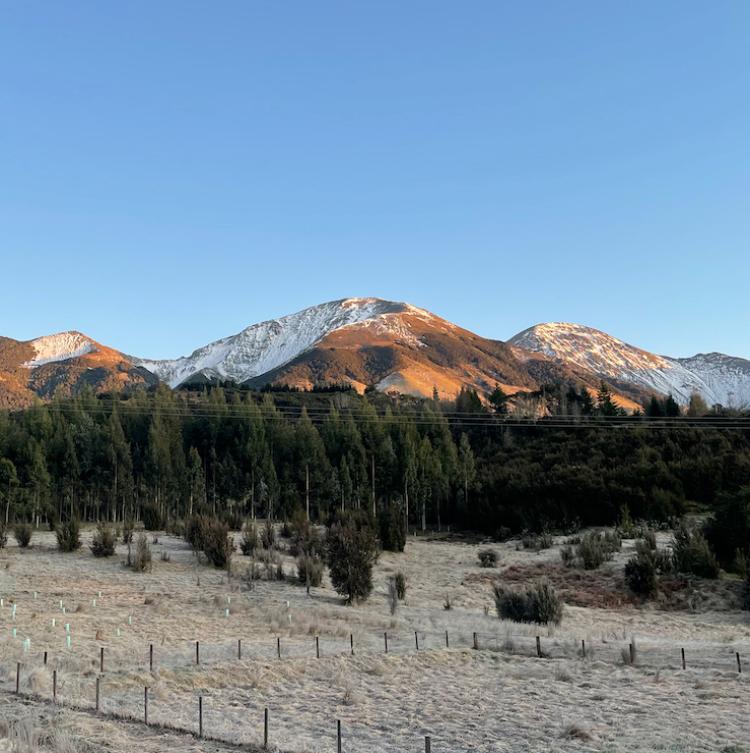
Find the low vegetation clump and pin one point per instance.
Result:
(728, 532)
(539, 604)
(194, 530)
(597, 548)
(351, 550)
(304, 537)
(691, 553)
(128, 527)
(140, 560)
(22, 534)
(310, 570)
(567, 555)
(68, 535)
(103, 541)
(153, 520)
(249, 541)
(218, 545)
(643, 570)
(544, 540)
(400, 581)
(3, 535)
(268, 535)
(487, 558)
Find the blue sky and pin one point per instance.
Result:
(171, 172)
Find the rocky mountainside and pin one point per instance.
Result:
(391, 346)
(360, 341)
(63, 364)
(716, 377)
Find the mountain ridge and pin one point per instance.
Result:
(375, 343)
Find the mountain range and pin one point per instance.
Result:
(369, 342)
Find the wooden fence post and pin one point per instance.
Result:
(145, 705)
(476, 642)
(317, 647)
(18, 677)
(631, 649)
(200, 716)
(682, 651)
(447, 644)
(351, 642)
(151, 657)
(265, 728)
(739, 663)
(338, 735)
(538, 647)
(278, 647)
(197, 652)
(101, 659)
(239, 649)
(427, 744)
(583, 648)
(416, 639)
(97, 694)
(385, 637)
(54, 685)
(45, 658)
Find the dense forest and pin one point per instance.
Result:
(467, 464)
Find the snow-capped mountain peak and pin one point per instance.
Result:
(59, 347)
(259, 348)
(716, 377)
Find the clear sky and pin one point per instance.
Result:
(171, 172)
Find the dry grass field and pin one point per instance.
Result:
(499, 698)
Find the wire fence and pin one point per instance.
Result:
(113, 683)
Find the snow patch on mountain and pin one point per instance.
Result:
(263, 347)
(716, 377)
(59, 347)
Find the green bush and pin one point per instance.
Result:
(595, 549)
(68, 535)
(400, 581)
(303, 535)
(194, 532)
(217, 543)
(103, 541)
(640, 574)
(692, 554)
(152, 518)
(22, 533)
(392, 529)
(487, 557)
(309, 570)
(538, 604)
(352, 550)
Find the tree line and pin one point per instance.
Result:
(240, 453)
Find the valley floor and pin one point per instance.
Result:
(501, 697)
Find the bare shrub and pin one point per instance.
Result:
(249, 540)
(692, 554)
(596, 548)
(127, 531)
(268, 535)
(140, 562)
(400, 580)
